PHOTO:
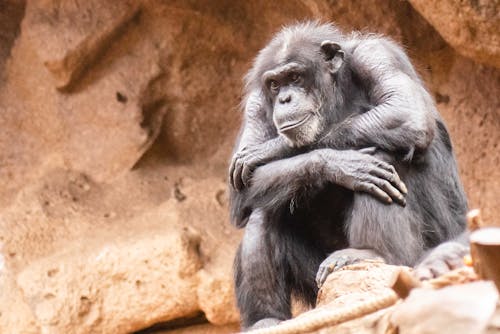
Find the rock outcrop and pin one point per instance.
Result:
(117, 122)
(473, 31)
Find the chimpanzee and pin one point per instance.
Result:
(342, 156)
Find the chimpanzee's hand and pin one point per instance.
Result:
(342, 258)
(443, 258)
(358, 171)
(247, 159)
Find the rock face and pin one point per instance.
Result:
(69, 35)
(117, 122)
(473, 31)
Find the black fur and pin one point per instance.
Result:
(314, 195)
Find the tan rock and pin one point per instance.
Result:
(367, 276)
(471, 27)
(204, 203)
(15, 314)
(466, 308)
(216, 298)
(70, 35)
(116, 274)
(114, 286)
(357, 283)
(125, 119)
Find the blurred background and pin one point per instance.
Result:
(117, 120)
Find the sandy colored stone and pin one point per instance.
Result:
(473, 29)
(216, 298)
(357, 283)
(207, 201)
(466, 308)
(15, 314)
(358, 278)
(117, 274)
(138, 141)
(114, 286)
(70, 35)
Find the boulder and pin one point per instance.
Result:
(118, 285)
(466, 308)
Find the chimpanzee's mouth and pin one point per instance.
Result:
(292, 125)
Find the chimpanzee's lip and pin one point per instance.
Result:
(292, 125)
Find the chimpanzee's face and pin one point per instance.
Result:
(295, 102)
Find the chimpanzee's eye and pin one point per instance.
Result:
(295, 77)
(274, 85)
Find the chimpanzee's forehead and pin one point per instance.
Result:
(300, 51)
(300, 44)
(304, 54)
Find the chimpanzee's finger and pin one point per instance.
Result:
(392, 178)
(372, 189)
(238, 184)
(390, 190)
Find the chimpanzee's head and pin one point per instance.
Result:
(297, 73)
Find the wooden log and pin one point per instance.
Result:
(485, 251)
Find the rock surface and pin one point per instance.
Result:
(473, 31)
(70, 35)
(117, 122)
(466, 308)
(356, 284)
(456, 306)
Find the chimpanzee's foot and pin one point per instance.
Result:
(443, 258)
(342, 258)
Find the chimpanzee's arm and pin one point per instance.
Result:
(280, 182)
(258, 142)
(404, 117)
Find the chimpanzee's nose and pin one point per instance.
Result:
(285, 98)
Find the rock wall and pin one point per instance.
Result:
(117, 120)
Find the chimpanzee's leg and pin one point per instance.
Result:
(262, 290)
(274, 260)
(377, 230)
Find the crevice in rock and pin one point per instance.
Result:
(154, 108)
(11, 15)
(196, 319)
(77, 62)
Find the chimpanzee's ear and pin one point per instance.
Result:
(333, 55)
